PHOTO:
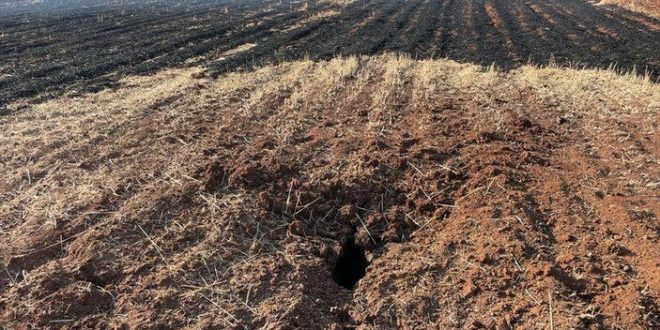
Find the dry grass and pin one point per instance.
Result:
(111, 152)
(36, 137)
(649, 7)
(236, 50)
(323, 14)
(337, 2)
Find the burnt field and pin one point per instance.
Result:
(89, 49)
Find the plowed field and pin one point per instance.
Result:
(369, 193)
(89, 49)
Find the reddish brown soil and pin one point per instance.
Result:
(485, 206)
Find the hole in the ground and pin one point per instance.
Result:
(351, 265)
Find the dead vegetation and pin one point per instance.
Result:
(525, 199)
(649, 7)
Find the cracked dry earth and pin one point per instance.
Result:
(362, 192)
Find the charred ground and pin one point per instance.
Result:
(65, 49)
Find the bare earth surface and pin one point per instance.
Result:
(475, 199)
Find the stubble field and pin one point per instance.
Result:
(218, 166)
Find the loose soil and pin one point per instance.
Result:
(366, 193)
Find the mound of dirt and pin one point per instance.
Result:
(368, 193)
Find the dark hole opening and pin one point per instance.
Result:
(351, 265)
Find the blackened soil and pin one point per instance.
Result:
(50, 53)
